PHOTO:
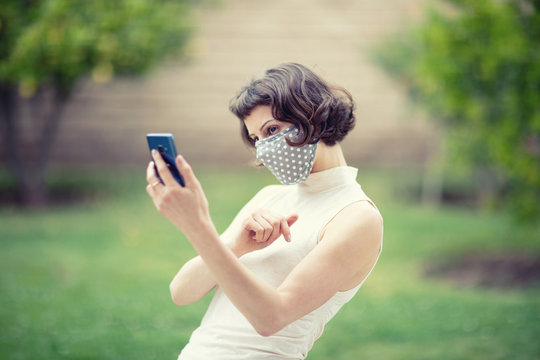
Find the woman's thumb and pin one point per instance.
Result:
(291, 219)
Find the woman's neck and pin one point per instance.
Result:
(328, 157)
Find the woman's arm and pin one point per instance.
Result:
(343, 258)
(192, 282)
(347, 251)
(246, 233)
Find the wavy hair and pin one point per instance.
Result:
(298, 96)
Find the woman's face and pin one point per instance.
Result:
(261, 123)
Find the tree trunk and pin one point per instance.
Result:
(28, 156)
(8, 101)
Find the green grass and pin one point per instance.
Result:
(90, 281)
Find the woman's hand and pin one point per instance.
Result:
(261, 229)
(186, 207)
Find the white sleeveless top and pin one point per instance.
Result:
(224, 333)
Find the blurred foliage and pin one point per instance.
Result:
(57, 41)
(46, 46)
(475, 66)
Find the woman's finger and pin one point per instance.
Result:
(274, 221)
(286, 224)
(186, 171)
(285, 230)
(266, 226)
(151, 176)
(150, 190)
(291, 219)
(150, 173)
(163, 170)
(152, 179)
(254, 227)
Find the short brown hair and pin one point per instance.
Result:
(299, 96)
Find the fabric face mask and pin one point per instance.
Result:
(289, 164)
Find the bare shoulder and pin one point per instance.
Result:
(353, 239)
(356, 219)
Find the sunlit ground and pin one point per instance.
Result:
(90, 281)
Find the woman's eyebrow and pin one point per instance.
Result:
(262, 126)
(266, 122)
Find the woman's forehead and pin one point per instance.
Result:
(258, 116)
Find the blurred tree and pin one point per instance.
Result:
(475, 65)
(47, 46)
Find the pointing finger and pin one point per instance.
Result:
(291, 219)
(285, 230)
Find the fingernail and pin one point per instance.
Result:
(288, 238)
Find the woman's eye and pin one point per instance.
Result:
(272, 130)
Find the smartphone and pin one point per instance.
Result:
(164, 143)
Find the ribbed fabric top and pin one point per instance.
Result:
(224, 333)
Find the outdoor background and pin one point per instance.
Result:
(84, 273)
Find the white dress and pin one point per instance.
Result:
(224, 333)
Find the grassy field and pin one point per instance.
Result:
(90, 281)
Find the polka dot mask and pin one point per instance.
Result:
(289, 164)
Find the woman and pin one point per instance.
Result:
(296, 253)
